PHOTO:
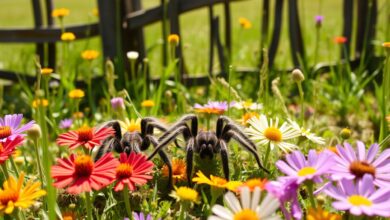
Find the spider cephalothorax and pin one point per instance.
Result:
(135, 141)
(207, 143)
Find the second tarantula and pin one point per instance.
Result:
(207, 143)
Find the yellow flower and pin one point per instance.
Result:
(40, 102)
(68, 36)
(178, 170)
(345, 133)
(89, 54)
(78, 115)
(147, 103)
(320, 214)
(185, 194)
(245, 23)
(386, 44)
(173, 39)
(76, 94)
(13, 195)
(60, 12)
(256, 182)
(245, 118)
(134, 125)
(216, 181)
(95, 12)
(46, 71)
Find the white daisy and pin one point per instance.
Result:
(249, 208)
(306, 133)
(265, 133)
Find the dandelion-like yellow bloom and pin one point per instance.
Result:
(60, 12)
(76, 94)
(245, 118)
(147, 103)
(13, 195)
(245, 23)
(178, 170)
(185, 194)
(320, 214)
(216, 181)
(46, 71)
(89, 54)
(173, 39)
(40, 102)
(134, 125)
(68, 36)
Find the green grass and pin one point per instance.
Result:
(195, 33)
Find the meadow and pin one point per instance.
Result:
(280, 142)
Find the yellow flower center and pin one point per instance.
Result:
(307, 171)
(358, 200)
(273, 134)
(246, 214)
(123, 171)
(187, 194)
(85, 134)
(83, 166)
(5, 131)
(8, 195)
(359, 168)
(253, 183)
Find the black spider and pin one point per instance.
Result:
(135, 141)
(207, 143)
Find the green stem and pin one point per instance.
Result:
(38, 160)
(183, 209)
(89, 206)
(267, 153)
(14, 167)
(125, 192)
(302, 99)
(5, 170)
(230, 76)
(310, 189)
(385, 98)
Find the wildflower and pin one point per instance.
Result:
(76, 94)
(297, 75)
(117, 103)
(84, 136)
(89, 54)
(69, 215)
(248, 207)
(12, 195)
(7, 147)
(46, 71)
(247, 105)
(319, 19)
(34, 132)
(254, 183)
(10, 126)
(351, 164)
(386, 45)
(140, 216)
(306, 133)
(68, 36)
(66, 123)
(78, 115)
(340, 40)
(216, 181)
(133, 169)
(320, 214)
(60, 12)
(265, 133)
(212, 108)
(131, 125)
(286, 191)
(81, 174)
(147, 103)
(178, 170)
(132, 55)
(245, 118)
(173, 39)
(245, 23)
(40, 102)
(185, 194)
(345, 133)
(300, 169)
(333, 149)
(360, 197)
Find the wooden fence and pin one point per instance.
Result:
(121, 26)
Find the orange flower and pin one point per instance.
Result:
(340, 40)
(245, 118)
(46, 71)
(178, 170)
(60, 12)
(256, 182)
(245, 23)
(173, 39)
(89, 54)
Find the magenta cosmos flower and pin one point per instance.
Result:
(360, 198)
(351, 164)
(300, 169)
(10, 126)
(212, 107)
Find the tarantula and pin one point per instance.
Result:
(207, 143)
(135, 141)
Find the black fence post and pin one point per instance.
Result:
(38, 23)
(276, 31)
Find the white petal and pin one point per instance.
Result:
(222, 212)
(232, 202)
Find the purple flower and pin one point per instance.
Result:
(286, 190)
(360, 198)
(140, 216)
(66, 123)
(212, 107)
(10, 126)
(117, 103)
(351, 164)
(300, 169)
(319, 19)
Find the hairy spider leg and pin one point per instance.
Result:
(225, 158)
(231, 125)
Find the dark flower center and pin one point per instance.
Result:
(83, 166)
(359, 168)
(124, 171)
(85, 134)
(5, 131)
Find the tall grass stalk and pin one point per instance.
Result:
(88, 203)
(385, 96)
(230, 76)
(264, 81)
(126, 198)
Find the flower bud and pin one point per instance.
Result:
(117, 103)
(173, 39)
(132, 55)
(345, 133)
(297, 75)
(34, 132)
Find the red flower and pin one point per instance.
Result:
(86, 136)
(81, 174)
(340, 40)
(8, 147)
(132, 170)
